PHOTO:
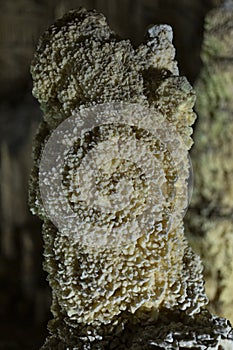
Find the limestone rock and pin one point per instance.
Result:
(100, 292)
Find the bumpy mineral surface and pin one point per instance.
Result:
(210, 219)
(149, 292)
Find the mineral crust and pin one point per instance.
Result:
(149, 293)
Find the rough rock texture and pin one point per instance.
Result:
(100, 293)
(171, 331)
(210, 218)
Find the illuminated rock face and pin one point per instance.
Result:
(210, 218)
(118, 259)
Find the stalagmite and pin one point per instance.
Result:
(110, 181)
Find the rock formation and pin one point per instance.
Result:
(210, 219)
(147, 291)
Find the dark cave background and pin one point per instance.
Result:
(24, 292)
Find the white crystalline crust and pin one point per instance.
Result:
(134, 174)
(95, 287)
(79, 63)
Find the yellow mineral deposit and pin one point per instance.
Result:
(210, 221)
(132, 116)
